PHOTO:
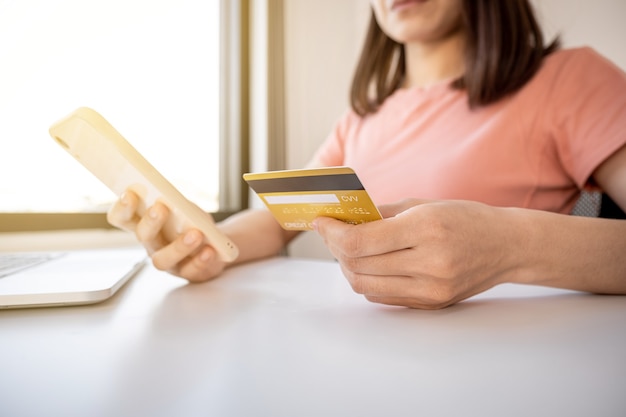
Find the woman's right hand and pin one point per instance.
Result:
(186, 255)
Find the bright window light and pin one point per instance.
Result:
(150, 67)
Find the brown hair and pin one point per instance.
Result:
(504, 49)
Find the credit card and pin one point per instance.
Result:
(296, 197)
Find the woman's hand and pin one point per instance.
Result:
(425, 254)
(186, 255)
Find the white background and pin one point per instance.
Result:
(150, 67)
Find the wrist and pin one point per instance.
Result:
(526, 249)
(562, 251)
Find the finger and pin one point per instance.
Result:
(404, 262)
(406, 302)
(404, 291)
(149, 227)
(123, 213)
(201, 266)
(372, 285)
(367, 239)
(421, 290)
(169, 257)
(427, 294)
(186, 260)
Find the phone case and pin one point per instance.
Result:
(93, 142)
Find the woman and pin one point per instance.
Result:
(457, 102)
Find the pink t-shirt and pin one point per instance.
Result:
(536, 148)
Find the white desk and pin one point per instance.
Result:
(288, 337)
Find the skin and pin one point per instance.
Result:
(423, 254)
(432, 34)
(187, 256)
(435, 254)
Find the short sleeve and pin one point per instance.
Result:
(332, 150)
(589, 102)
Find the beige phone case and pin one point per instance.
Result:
(93, 142)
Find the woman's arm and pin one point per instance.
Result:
(611, 177)
(577, 253)
(434, 254)
(255, 232)
(592, 252)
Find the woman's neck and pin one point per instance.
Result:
(430, 63)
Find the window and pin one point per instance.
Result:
(165, 73)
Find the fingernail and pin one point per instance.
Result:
(153, 213)
(205, 255)
(314, 224)
(190, 238)
(124, 199)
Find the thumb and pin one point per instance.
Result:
(328, 225)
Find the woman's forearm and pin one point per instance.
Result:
(256, 233)
(578, 253)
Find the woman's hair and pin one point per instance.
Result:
(504, 49)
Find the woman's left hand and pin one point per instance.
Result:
(426, 254)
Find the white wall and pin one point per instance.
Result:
(322, 42)
(323, 38)
(598, 23)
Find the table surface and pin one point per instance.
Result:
(288, 337)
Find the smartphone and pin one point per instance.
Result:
(95, 143)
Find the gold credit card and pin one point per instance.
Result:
(296, 197)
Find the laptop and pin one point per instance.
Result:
(62, 278)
